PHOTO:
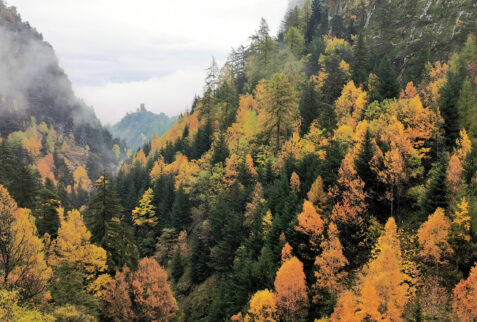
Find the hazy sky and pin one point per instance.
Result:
(120, 53)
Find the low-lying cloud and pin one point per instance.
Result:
(116, 52)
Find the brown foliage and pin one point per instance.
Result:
(144, 295)
(464, 302)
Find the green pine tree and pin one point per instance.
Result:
(177, 268)
(46, 212)
(388, 84)
(180, 213)
(119, 243)
(102, 208)
(360, 65)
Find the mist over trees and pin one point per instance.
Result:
(319, 176)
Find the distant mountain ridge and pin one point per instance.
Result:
(138, 127)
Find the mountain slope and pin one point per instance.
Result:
(137, 128)
(412, 31)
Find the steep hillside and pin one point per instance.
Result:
(412, 31)
(43, 126)
(137, 128)
(312, 180)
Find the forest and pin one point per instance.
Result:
(326, 173)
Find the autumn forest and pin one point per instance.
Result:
(325, 173)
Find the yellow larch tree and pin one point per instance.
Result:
(73, 246)
(351, 206)
(81, 179)
(464, 301)
(295, 182)
(461, 221)
(433, 238)
(409, 92)
(383, 291)
(145, 213)
(346, 308)
(310, 224)
(330, 264)
(140, 157)
(287, 252)
(22, 258)
(350, 105)
(290, 288)
(317, 195)
(263, 307)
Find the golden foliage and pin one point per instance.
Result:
(31, 272)
(350, 105)
(464, 301)
(330, 264)
(461, 221)
(433, 238)
(151, 292)
(310, 224)
(267, 223)
(145, 213)
(352, 206)
(143, 295)
(432, 88)
(287, 252)
(346, 308)
(157, 169)
(45, 166)
(231, 170)
(295, 182)
(81, 179)
(140, 157)
(463, 145)
(263, 307)
(317, 195)
(383, 291)
(454, 174)
(290, 287)
(409, 92)
(33, 145)
(73, 246)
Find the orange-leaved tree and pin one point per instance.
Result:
(290, 288)
(311, 225)
(144, 295)
(433, 238)
(346, 307)
(464, 302)
(330, 264)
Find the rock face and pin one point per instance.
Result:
(410, 30)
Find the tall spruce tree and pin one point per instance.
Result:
(436, 195)
(180, 213)
(448, 105)
(102, 208)
(360, 65)
(308, 107)
(388, 85)
(46, 211)
(119, 243)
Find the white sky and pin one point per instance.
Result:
(120, 53)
